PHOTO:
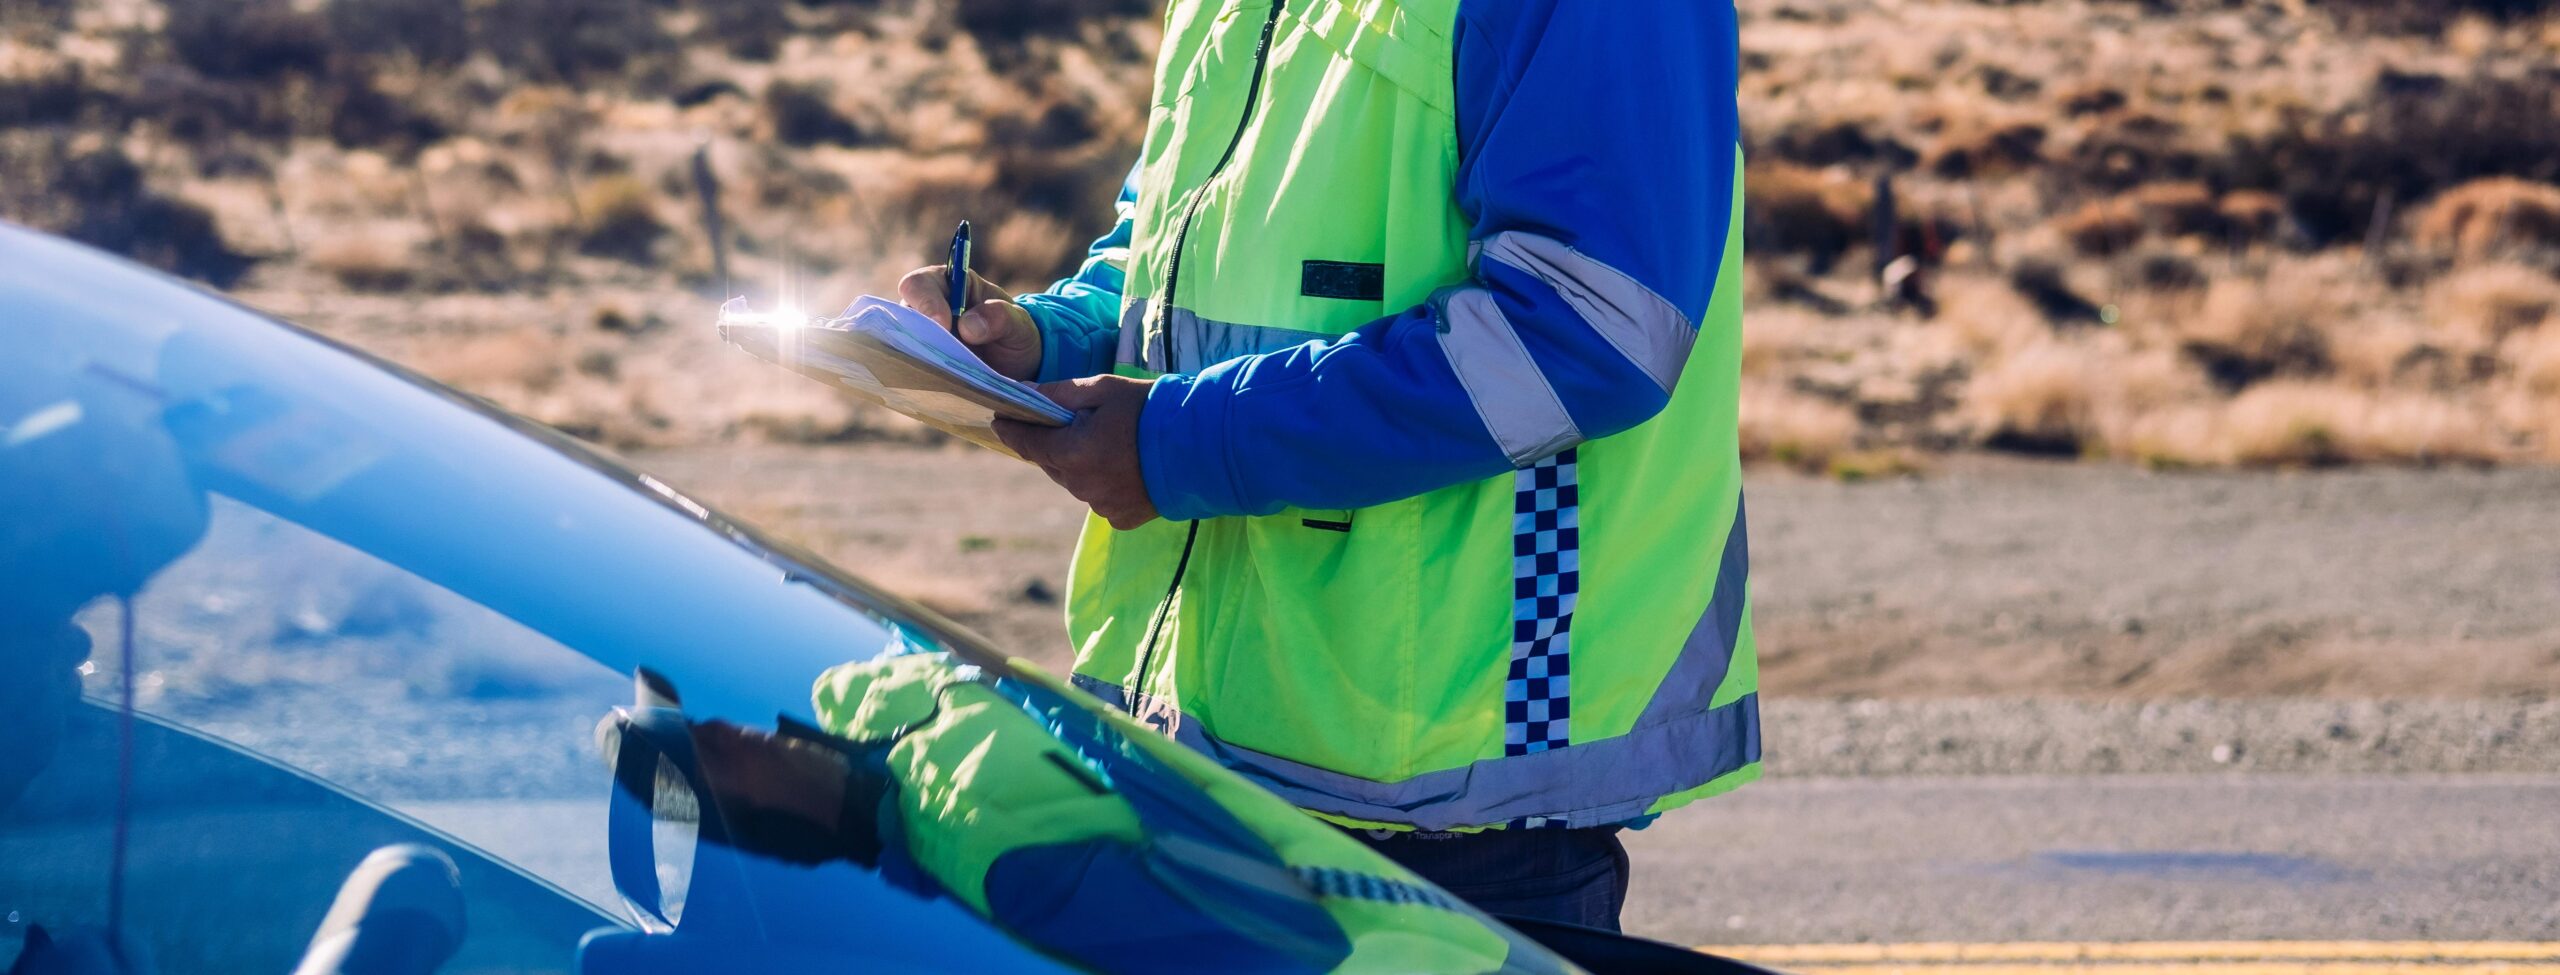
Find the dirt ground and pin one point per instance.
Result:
(1983, 578)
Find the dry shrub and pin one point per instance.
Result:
(2487, 302)
(2301, 424)
(2376, 353)
(2536, 358)
(2250, 330)
(500, 365)
(2102, 228)
(1791, 428)
(2180, 436)
(621, 220)
(2143, 406)
(2114, 225)
(2092, 98)
(577, 41)
(2429, 16)
(2120, 151)
(98, 197)
(245, 38)
(1772, 336)
(1832, 142)
(433, 32)
(2167, 271)
(749, 29)
(1014, 20)
(1986, 317)
(2250, 216)
(1992, 151)
(38, 87)
(2490, 216)
(1794, 210)
(2289, 424)
(2034, 400)
(2422, 429)
(2182, 209)
(364, 261)
(804, 115)
(2409, 137)
(2046, 283)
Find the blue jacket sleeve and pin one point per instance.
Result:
(1598, 144)
(1079, 317)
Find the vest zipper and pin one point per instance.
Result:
(1164, 320)
(1182, 233)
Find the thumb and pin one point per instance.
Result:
(978, 328)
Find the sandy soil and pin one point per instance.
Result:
(1985, 578)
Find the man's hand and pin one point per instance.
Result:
(995, 328)
(755, 770)
(1096, 457)
(789, 799)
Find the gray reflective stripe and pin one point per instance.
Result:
(1199, 343)
(1649, 331)
(1590, 784)
(1133, 333)
(1690, 686)
(1677, 744)
(1522, 412)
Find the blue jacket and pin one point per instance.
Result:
(1602, 125)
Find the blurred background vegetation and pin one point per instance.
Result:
(2167, 232)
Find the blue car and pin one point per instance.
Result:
(303, 657)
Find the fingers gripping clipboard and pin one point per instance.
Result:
(885, 353)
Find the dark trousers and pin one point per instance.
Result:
(1576, 876)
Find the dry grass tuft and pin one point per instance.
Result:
(2536, 356)
(2035, 400)
(1794, 429)
(2250, 330)
(2299, 424)
(2114, 225)
(2485, 303)
(1986, 316)
(2490, 217)
(2252, 216)
(621, 220)
(1798, 211)
(365, 261)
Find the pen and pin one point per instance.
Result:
(959, 270)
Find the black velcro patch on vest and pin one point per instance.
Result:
(1341, 279)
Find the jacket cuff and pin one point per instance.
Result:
(1182, 449)
(1068, 349)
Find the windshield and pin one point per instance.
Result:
(270, 608)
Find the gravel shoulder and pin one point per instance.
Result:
(2114, 858)
(1993, 616)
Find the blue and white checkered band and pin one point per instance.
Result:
(1546, 575)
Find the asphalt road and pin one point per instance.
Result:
(2121, 858)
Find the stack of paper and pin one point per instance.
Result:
(892, 355)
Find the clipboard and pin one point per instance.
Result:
(883, 353)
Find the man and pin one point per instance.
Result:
(1407, 388)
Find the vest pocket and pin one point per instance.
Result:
(1408, 44)
(1226, 19)
(1338, 521)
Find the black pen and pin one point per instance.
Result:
(959, 270)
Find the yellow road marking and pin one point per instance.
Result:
(2151, 951)
(2186, 958)
(2059, 966)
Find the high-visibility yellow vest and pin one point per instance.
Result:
(980, 776)
(1567, 645)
